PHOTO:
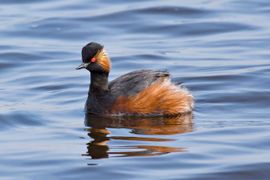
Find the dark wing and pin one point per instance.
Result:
(132, 83)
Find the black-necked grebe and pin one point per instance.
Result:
(142, 92)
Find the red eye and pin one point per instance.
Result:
(93, 59)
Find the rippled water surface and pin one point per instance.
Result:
(219, 49)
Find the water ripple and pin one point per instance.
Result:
(218, 49)
(16, 119)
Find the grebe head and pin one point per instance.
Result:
(94, 58)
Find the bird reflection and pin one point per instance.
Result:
(104, 144)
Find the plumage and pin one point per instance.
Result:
(132, 83)
(142, 92)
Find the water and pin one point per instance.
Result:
(219, 49)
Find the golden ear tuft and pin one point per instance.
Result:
(104, 60)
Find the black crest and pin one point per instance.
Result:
(90, 50)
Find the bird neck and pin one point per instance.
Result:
(99, 83)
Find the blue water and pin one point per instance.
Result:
(219, 49)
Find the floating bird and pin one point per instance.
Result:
(138, 93)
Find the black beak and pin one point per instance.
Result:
(83, 65)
